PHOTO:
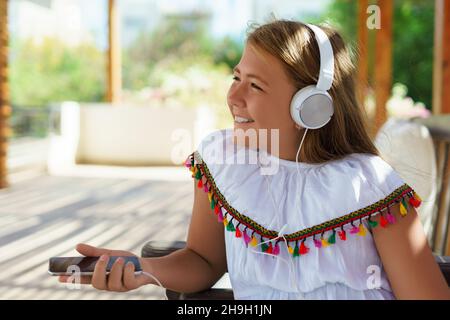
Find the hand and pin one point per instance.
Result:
(120, 279)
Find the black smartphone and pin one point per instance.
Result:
(67, 266)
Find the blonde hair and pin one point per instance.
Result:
(294, 44)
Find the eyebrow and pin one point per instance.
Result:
(250, 75)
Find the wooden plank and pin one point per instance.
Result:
(383, 58)
(115, 213)
(441, 215)
(114, 66)
(5, 109)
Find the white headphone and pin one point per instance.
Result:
(312, 106)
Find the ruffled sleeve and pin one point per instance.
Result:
(389, 187)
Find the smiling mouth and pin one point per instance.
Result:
(238, 119)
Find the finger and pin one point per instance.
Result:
(91, 251)
(130, 281)
(115, 276)
(99, 276)
(83, 279)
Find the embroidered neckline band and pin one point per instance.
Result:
(250, 230)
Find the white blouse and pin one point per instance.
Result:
(299, 233)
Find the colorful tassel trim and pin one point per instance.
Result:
(254, 234)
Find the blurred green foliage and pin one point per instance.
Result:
(50, 71)
(180, 62)
(180, 40)
(413, 31)
(179, 59)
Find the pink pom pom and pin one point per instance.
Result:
(390, 218)
(354, 230)
(276, 250)
(247, 238)
(317, 243)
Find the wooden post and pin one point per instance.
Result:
(5, 109)
(383, 58)
(441, 105)
(441, 66)
(363, 57)
(114, 65)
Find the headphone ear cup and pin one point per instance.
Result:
(311, 108)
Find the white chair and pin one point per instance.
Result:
(408, 147)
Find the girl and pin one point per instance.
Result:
(338, 224)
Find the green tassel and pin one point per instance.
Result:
(212, 203)
(264, 247)
(296, 254)
(332, 238)
(198, 175)
(230, 227)
(372, 224)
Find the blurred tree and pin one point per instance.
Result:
(181, 40)
(178, 36)
(228, 51)
(413, 41)
(51, 72)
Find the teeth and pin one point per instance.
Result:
(241, 120)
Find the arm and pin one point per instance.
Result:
(408, 259)
(192, 269)
(198, 266)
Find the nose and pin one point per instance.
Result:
(236, 96)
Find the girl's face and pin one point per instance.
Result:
(260, 96)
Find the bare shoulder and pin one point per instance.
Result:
(408, 259)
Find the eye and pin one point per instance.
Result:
(256, 87)
(235, 78)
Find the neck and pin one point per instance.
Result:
(288, 147)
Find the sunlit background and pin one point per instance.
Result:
(174, 54)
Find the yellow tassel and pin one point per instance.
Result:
(209, 196)
(403, 210)
(225, 222)
(362, 230)
(194, 169)
(291, 251)
(253, 243)
(325, 243)
(417, 196)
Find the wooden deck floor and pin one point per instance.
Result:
(47, 216)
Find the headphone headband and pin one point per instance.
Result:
(312, 106)
(326, 73)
